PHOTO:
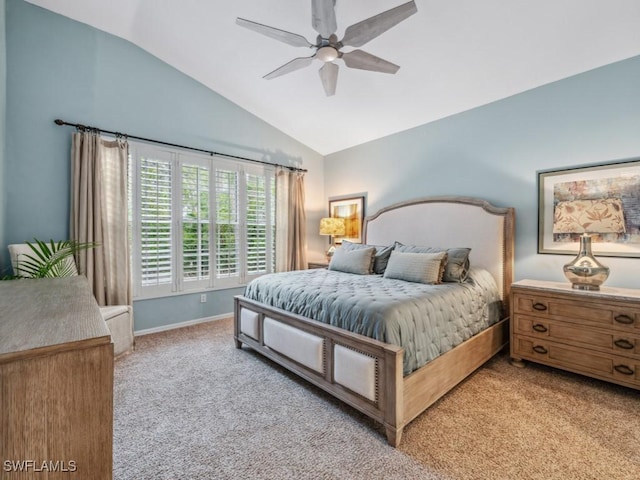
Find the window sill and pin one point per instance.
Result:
(195, 291)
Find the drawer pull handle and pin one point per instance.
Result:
(623, 369)
(540, 349)
(626, 319)
(538, 327)
(541, 307)
(622, 343)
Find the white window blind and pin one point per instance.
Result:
(198, 222)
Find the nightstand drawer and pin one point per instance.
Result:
(577, 311)
(605, 340)
(532, 326)
(557, 354)
(527, 304)
(576, 359)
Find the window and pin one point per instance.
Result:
(198, 222)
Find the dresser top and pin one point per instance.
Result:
(41, 316)
(565, 287)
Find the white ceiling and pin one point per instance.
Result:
(454, 55)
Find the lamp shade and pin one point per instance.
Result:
(332, 226)
(603, 215)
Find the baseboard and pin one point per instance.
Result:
(188, 323)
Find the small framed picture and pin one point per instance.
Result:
(352, 210)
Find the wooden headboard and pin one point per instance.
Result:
(451, 222)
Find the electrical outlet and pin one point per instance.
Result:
(203, 298)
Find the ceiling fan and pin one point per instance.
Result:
(328, 48)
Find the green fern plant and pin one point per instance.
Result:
(52, 259)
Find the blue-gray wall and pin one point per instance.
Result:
(59, 68)
(494, 152)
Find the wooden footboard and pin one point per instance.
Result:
(365, 373)
(360, 371)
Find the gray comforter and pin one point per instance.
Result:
(427, 320)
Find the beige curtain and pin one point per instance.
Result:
(291, 231)
(99, 214)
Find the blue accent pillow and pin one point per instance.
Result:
(457, 266)
(380, 258)
(352, 261)
(416, 267)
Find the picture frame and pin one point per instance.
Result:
(616, 180)
(352, 210)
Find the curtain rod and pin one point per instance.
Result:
(84, 128)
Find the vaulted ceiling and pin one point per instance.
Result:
(454, 55)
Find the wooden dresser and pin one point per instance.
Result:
(56, 381)
(592, 333)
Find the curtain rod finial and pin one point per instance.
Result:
(57, 121)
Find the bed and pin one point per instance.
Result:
(381, 379)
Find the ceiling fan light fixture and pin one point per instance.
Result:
(327, 54)
(327, 47)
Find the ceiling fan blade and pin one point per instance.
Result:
(360, 33)
(292, 66)
(323, 17)
(366, 61)
(282, 35)
(329, 77)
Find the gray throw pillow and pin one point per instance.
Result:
(457, 266)
(416, 267)
(380, 258)
(352, 261)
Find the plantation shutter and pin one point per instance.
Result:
(199, 223)
(156, 229)
(272, 215)
(227, 234)
(195, 225)
(259, 224)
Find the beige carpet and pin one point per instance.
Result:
(531, 423)
(189, 405)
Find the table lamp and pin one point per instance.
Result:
(588, 216)
(334, 227)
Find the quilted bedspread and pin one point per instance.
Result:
(426, 320)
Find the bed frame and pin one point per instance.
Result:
(368, 374)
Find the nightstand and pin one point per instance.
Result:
(594, 333)
(317, 265)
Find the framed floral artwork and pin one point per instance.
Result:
(601, 200)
